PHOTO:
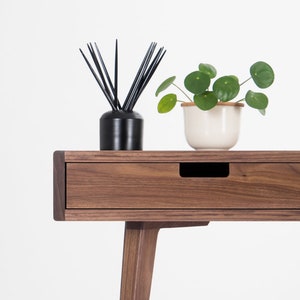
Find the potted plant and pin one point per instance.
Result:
(211, 117)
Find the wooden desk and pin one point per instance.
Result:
(150, 190)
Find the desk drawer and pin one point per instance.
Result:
(173, 186)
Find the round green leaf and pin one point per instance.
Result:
(262, 111)
(167, 103)
(208, 69)
(165, 85)
(234, 77)
(226, 88)
(197, 82)
(206, 101)
(256, 100)
(262, 74)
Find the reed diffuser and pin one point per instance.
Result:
(121, 128)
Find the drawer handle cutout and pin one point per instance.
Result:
(204, 169)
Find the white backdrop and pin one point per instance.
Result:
(50, 101)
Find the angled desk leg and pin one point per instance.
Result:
(138, 256)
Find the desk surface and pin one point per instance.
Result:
(179, 156)
(177, 185)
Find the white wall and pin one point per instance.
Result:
(50, 101)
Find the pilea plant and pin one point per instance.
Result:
(224, 89)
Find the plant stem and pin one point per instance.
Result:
(182, 92)
(245, 81)
(240, 100)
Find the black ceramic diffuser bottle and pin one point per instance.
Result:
(121, 130)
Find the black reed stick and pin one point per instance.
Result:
(99, 82)
(144, 80)
(139, 76)
(116, 74)
(110, 90)
(151, 69)
(108, 78)
(147, 76)
(101, 73)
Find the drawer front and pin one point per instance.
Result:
(183, 186)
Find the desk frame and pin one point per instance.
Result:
(75, 172)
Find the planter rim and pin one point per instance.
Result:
(219, 103)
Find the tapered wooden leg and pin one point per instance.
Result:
(138, 260)
(138, 256)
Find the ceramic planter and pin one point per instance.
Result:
(215, 129)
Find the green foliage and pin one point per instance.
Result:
(206, 100)
(256, 100)
(164, 85)
(167, 103)
(208, 69)
(197, 82)
(225, 88)
(262, 74)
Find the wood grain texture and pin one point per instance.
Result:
(181, 215)
(182, 156)
(59, 194)
(145, 189)
(138, 260)
(138, 256)
(270, 179)
(159, 186)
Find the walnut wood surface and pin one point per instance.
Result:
(138, 256)
(59, 196)
(146, 186)
(138, 260)
(159, 185)
(182, 215)
(180, 156)
(144, 189)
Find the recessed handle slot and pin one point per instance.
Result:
(200, 169)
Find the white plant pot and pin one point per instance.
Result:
(215, 129)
